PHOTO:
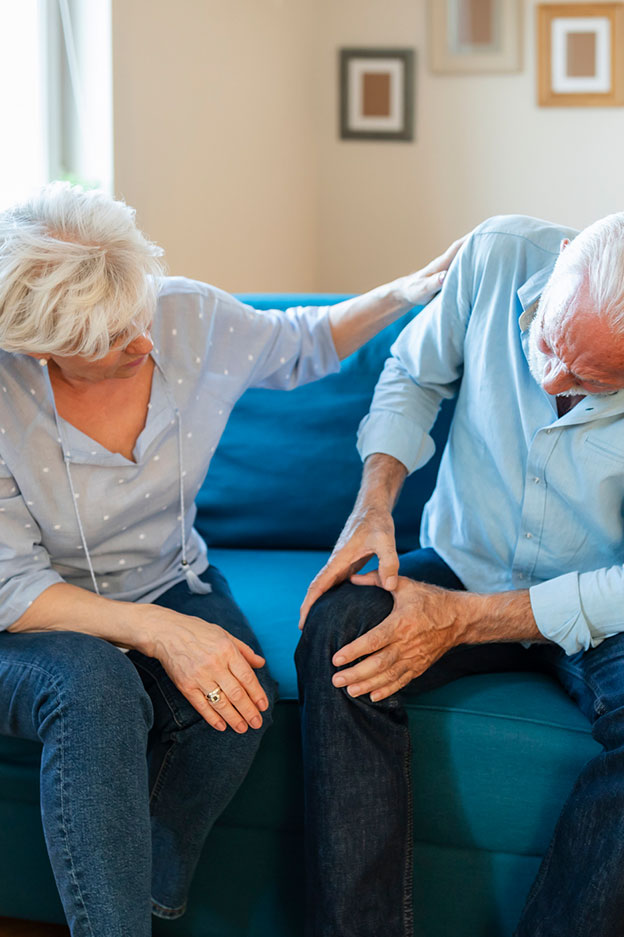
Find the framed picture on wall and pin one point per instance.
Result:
(475, 36)
(377, 94)
(580, 60)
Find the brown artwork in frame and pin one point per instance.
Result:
(377, 94)
(475, 36)
(580, 61)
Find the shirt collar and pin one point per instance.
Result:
(530, 292)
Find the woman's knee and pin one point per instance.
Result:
(95, 679)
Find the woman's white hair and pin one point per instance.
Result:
(76, 274)
(596, 258)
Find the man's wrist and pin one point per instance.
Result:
(381, 483)
(497, 617)
(380, 502)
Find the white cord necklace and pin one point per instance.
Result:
(194, 583)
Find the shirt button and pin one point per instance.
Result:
(528, 535)
(548, 432)
(520, 575)
(537, 480)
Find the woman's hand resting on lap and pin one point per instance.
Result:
(200, 656)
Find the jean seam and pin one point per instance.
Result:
(163, 911)
(538, 881)
(579, 674)
(72, 877)
(172, 707)
(29, 664)
(64, 825)
(408, 882)
(159, 783)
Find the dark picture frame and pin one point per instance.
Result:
(377, 94)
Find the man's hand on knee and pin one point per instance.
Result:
(366, 534)
(421, 628)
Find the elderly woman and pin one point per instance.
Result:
(115, 386)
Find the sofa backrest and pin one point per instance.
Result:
(286, 471)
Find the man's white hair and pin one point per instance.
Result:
(596, 256)
(75, 273)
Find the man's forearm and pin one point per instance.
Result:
(479, 618)
(501, 616)
(382, 480)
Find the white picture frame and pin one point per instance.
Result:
(580, 61)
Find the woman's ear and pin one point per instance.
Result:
(42, 361)
(40, 358)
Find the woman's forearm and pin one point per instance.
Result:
(63, 607)
(354, 321)
(197, 654)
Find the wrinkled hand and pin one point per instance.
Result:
(366, 534)
(420, 629)
(418, 288)
(200, 656)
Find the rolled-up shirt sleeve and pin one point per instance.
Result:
(425, 367)
(279, 349)
(299, 348)
(579, 610)
(25, 570)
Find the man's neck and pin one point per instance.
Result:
(565, 404)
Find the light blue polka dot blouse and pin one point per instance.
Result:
(208, 348)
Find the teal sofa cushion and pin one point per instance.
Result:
(269, 586)
(494, 757)
(286, 471)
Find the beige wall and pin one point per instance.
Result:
(214, 141)
(226, 141)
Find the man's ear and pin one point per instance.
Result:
(563, 245)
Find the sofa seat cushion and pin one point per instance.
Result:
(494, 755)
(494, 758)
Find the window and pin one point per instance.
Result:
(23, 146)
(55, 94)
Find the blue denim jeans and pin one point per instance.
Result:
(358, 797)
(132, 777)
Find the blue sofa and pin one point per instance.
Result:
(493, 756)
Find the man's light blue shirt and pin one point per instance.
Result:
(524, 498)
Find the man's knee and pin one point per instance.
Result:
(337, 618)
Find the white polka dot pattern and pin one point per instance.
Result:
(209, 348)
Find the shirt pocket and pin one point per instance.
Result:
(598, 446)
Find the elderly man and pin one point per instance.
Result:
(520, 568)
